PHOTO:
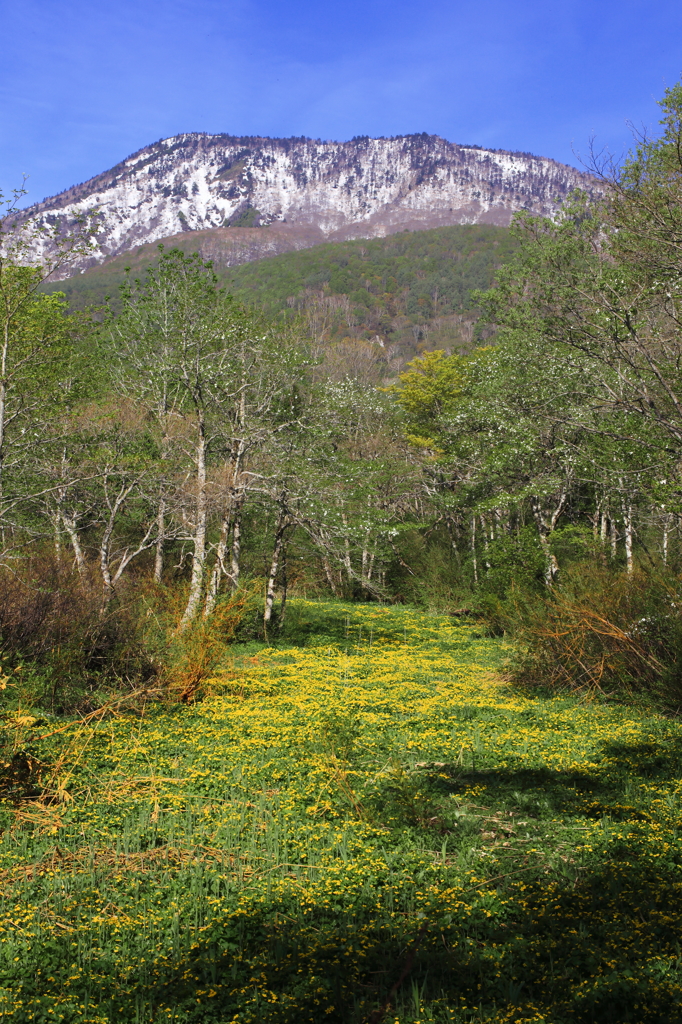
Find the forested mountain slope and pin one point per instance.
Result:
(301, 191)
(410, 290)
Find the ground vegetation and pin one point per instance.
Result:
(359, 823)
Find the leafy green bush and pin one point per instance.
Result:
(427, 572)
(513, 562)
(512, 574)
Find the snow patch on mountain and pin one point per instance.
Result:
(362, 188)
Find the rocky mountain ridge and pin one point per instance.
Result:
(300, 192)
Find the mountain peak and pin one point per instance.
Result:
(366, 187)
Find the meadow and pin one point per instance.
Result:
(360, 823)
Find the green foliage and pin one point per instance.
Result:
(513, 562)
(427, 570)
(412, 288)
(409, 278)
(428, 269)
(41, 343)
(428, 392)
(249, 218)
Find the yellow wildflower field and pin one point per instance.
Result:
(362, 823)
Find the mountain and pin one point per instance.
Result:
(251, 197)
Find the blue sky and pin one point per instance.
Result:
(84, 84)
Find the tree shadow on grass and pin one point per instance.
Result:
(598, 945)
(620, 771)
(339, 625)
(604, 950)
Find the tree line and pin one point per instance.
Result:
(158, 434)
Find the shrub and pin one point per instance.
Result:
(427, 572)
(513, 561)
(186, 658)
(603, 631)
(50, 619)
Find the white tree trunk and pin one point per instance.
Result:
(666, 535)
(199, 552)
(326, 565)
(545, 530)
(367, 562)
(160, 540)
(346, 550)
(486, 549)
(629, 534)
(56, 520)
(105, 545)
(219, 567)
(70, 527)
(280, 530)
(235, 556)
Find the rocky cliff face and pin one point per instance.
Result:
(311, 190)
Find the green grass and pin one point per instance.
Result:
(360, 823)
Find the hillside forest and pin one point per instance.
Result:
(405, 294)
(340, 628)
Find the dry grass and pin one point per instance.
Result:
(195, 652)
(600, 632)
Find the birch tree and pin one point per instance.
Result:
(208, 373)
